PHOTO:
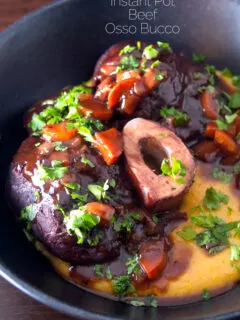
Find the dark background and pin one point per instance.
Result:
(15, 305)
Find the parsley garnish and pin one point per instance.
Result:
(126, 50)
(55, 172)
(235, 253)
(99, 269)
(236, 169)
(133, 265)
(79, 223)
(28, 213)
(128, 63)
(236, 81)
(187, 233)
(213, 199)
(227, 73)
(164, 45)
(127, 223)
(59, 146)
(155, 219)
(206, 294)
(221, 124)
(100, 192)
(198, 57)
(155, 64)
(150, 52)
(72, 185)
(222, 175)
(179, 118)
(88, 162)
(231, 118)
(122, 286)
(159, 76)
(175, 170)
(211, 70)
(137, 303)
(82, 198)
(234, 102)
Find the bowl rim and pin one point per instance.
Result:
(16, 281)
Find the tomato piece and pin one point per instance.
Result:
(109, 143)
(58, 132)
(153, 258)
(227, 83)
(120, 88)
(206, 151)
(210, 130)
(226, 142)
(95, 109)
(209, 104)
(104, 211)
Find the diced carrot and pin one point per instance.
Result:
(104, 211)
(153, 258)
(95, 109)
(226, 142)
(110, 145)
(150, 78)
(227, 83)
(209, 104)
(128, 74)
(129, 103)
(120, 88)
(58, 132)
(210, 130)
(206, 151)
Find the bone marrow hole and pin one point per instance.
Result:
(152, 154)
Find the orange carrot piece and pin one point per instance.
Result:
(209, 104)
(227, 83)
(120, 88)
(210, 130)
(226, 142)
(58, 132)
(104, 211)
(109, 143)
(153, 258)
(95, 109)
(206, 151)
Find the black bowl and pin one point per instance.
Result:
(57, 46)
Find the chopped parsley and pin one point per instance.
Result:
(221, 124)
(231, 118)
(72, 185)
(234, 102)
(127, 49)
(37, 194)
(187, 233)
(99, 269)
(128, 63)
(213, 199)
(81, 198)
(236, 81)
(206, 221)
(164, 45)
(179, 118)
(88, 162)
(236, 169)
(137, 303)
(122, 286)
(126, 223)
(79, 223)
(235, 253)
(198, 57)
(64, 107)
(155, 219)
(57, 171)
(175, 170)
(59, 146)
(155, 64)
(159, 76)
(100, 192)
(86, 134)
(28, 213)
(211, 70)
(150, 52)
(133, 265)
(206, 294)
(222, 175)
